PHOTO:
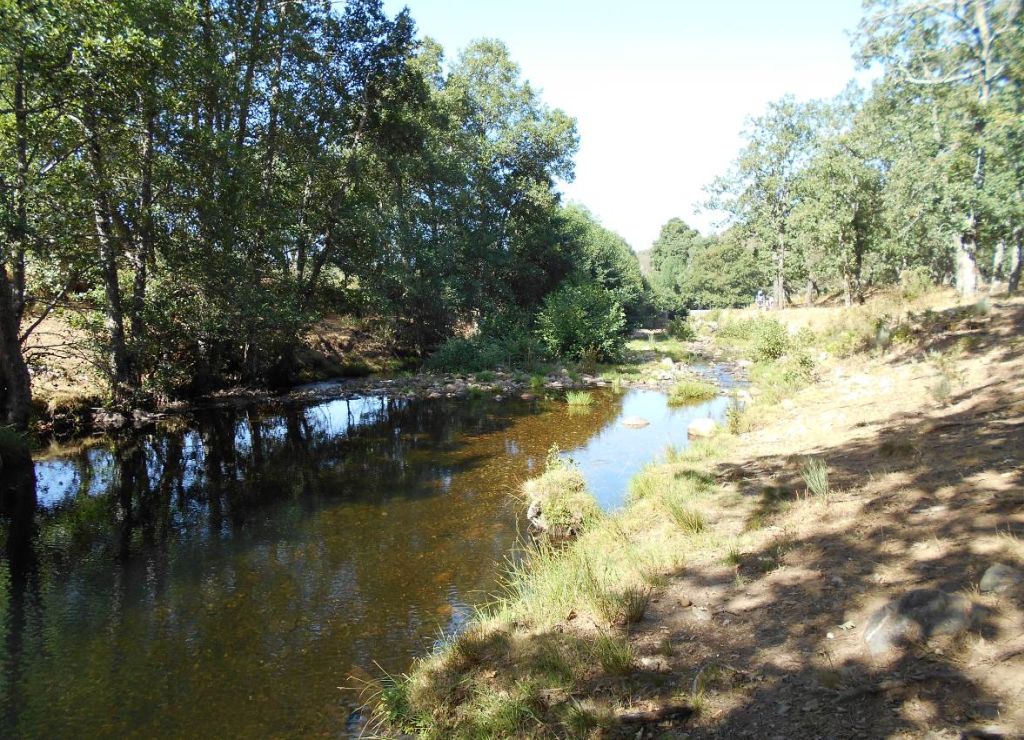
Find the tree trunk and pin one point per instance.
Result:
(122, 384)
(14, 377)
(21, 192)
(998, 256)
(145, 248)
(1016, 261)
(966, 266)
(780, 280)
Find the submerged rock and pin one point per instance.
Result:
(635, 422)
(917, 616)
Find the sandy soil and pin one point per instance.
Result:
(926, 493)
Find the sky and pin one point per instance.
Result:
(660, 89)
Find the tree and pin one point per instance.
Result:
(760, 191)
(837, 219)
(671, 253)
(955, 53)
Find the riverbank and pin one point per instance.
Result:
(733, 595)
(341, 358)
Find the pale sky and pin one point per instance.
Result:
(659, 88)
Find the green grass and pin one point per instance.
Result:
(686, 518)
(815, 475)
(614, 654)
(691, 391)
(484, 376)
(579, 398)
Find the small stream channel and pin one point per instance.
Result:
(223, 574)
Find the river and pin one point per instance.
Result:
(236, 571)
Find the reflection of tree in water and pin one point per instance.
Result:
(214, 565)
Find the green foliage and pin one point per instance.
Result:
(605, 258)
(681, 329)
(725, 274)
(579, 320)
(771, 340)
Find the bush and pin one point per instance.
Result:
(915, 282)
(580, 321)
(681, 329)
(499, 344)
(771, 340)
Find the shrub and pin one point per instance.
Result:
(771, 340)
(582, 320)
(681, 329)
(915, 282)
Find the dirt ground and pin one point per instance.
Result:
(927, 491)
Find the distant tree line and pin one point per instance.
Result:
(921, 176)
(194, 182)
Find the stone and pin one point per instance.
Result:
(667, 362)
(635, 422)
(658, 665)
(1001, 577)
(108, 420)
(917, 616)
(703, 427)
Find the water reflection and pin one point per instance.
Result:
(230, 570)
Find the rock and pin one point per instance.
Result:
(788, 404)
(528, 396)
(917, 616)
(108, 420)
(703, 427)
(1000, 577)
(667, 362)
(568, 529)
(635, 422)
(659, 665)
(744, 363)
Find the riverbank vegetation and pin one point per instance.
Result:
(673, 612)
(189, 187)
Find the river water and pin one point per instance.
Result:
(236, 572)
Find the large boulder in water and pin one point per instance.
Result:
(917, 616)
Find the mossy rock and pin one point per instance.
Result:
(561, 506)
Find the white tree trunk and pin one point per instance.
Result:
(966, 267)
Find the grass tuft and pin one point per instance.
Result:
(614, 654)
(579, 398)
(687, 519)
(815, 475)
(691, 391)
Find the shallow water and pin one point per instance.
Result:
(228, 573)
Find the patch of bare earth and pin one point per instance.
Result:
(926, 492)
